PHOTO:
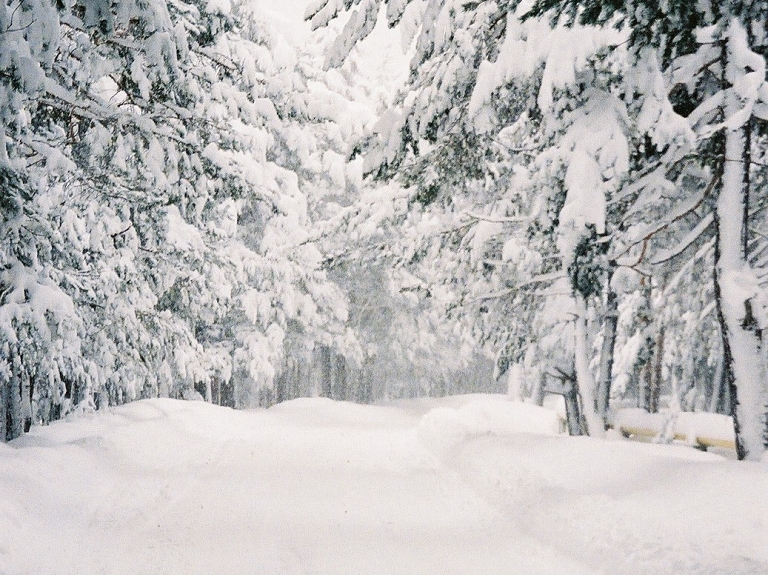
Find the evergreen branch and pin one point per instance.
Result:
(216, 58)
(520, 287)
(491, 295)
(94, 111)
(513, 150)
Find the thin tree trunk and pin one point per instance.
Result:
(657, 374)
(14, 419)
(718, 380)
(341, 378)
(573, 416)
(326, 372)
(27, 389)
(645, 377)
(515, 381)
(15, 428)
(295, 381)
(366, 381)
(606, 353)
(5, 385)
(643, 386)
(281, 383)
(584, 380)
(537, 390)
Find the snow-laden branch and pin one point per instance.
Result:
(684, 210)
(498, 294)
(671, 253)
(499, 219)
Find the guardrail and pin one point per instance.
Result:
(701, 430)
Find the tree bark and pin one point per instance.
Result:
(656, 374)
(341, 378)
(281, 383)
(584, 380)
(326, 372)
(606, 353)
(14, 419)
(574, 417)
(4, 388)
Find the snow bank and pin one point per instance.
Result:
(323, 412)
(442, 429)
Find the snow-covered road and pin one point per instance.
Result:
(318, 487)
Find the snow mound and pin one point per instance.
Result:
(324, 412)
(444, 428)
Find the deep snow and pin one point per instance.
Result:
(468, 485)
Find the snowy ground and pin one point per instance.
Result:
(468, 485)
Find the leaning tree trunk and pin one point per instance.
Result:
(733, 276)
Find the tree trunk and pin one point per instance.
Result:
(515, 381)
(14, 419)
(584, 381)
(714, 405)
(27, 389)
(657, 373)
(573, 416)
(365, 383)
(4, 388)
(537, 390)
(734, 279)
(326, 372)
(341, 378)
(606, 353)
(281, 382)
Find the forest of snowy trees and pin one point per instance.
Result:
(565, 196)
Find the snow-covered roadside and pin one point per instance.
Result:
(313, 486)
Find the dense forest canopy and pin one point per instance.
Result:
(562, 197)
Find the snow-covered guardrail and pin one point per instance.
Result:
(701, 430)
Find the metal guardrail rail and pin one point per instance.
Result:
(699, 441)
